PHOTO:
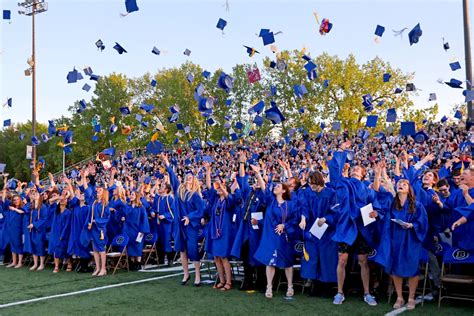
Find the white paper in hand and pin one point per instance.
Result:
(258, 216)
(318, 231)
(139, 237)
(365, 211)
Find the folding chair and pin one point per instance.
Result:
(207, 262)
(455, 256)
(120, 257)
(296, 267)
(150, 247)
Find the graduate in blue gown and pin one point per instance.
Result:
(401, 248)
(13, 231)
(190, 210)
(36, 229)
(116, 204)
(135, 226)
(78, 219)
(249, 233)
(95, 228)
(319, 202)
(60, 232)
(276, 248)
(164, 205)
(220, 235)
(351, 234)
(463, 227)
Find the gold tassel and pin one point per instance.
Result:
(305, 254)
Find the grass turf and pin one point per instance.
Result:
(169, 297)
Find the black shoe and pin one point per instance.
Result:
(197, 284)
(184, 282)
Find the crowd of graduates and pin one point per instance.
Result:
(388, 198)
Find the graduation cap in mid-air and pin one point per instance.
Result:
(379, 30)
(155, 51)
(100, 45)
(454, 83)
(415, 34)
(119, 48)
(221, 24)
(251, 51)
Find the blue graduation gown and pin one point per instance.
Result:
(136, 222)
(246, 232)
(400, 250)
(220, 234)
(278, 250)
(187, 237)
(78, 219)
(323, 257)
(115, 225)
(13, 231)
(98, 232)
(352, 195)
(463, 236)
(35, 239)
(2, 220)
(165, 205)
(60, 231)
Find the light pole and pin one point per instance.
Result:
(467, 57)
(31, 8)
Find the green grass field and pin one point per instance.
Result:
(169, 297)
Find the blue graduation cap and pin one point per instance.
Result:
(155, 51)
(180, 126)
(407, 128)
(454, 83)
(113, 128)
(322, 125)
(221, 24)
(35, 141)
(293, 152)
(187, 129)
(173, 118)
(421, 137)
(386, 77)
(119, 48)
(432, 97)
(7, 123)
(272, 64)
(153, 83)
(380, 103)
(326, 83)
(86, 87)
(51, 128)
(239, 125)
(109, 151)
(301, 110)
(88, 71)
(257, 108)
(208, 159)
(415, 34)
(205, 104)
(21, 136)
(206, 74)
(73, 76)
(210, 143)
(391, 115)
(190, 77)
(336, 126)
(410, 87)
(138, 117)
(312, 75)
(455, 66)
(273, 90)
(67, 149)
(234, 136)
(379, 30)
(310, 66)
(44, 138)
(174, 109)
(367, 102)
(458, 115)
(273, 114)
(100, 45)
(147, 107)
(144, 124)
(154, 147)
(9, 102)
(251, 51)
(196, 144)
(7, 14)
(131, 6)
(268, 38)
(371, 121)
(445, 45)
(67, 139)
(300, 90)
(398, 90)
(225, 82)
(125, 110)
(94, 77)
(187, 52)
(258, 120)
(444, 119)
(469, 94)
(210, 121)
(97, 128)
(228, 102)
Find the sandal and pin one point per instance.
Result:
(218, 286)
(227, 287)
(69, 268)
(290, 292)
(399, 303)
(269, 293)
(411, 304)
(56, 270)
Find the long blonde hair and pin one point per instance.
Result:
(105, 197)
(121, 194)
(185, 194)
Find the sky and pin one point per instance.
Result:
(67, 32)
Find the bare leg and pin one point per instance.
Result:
(220, 270)
(184, 262)
(412, 284)
(35, 263)
(270, 274)
(56, 265)
(364, 272)
(341, 271)
(227, 270)
(103, 268)
(197, 269)
(97, 263)
(398, 283)
(41, 266)
(20, 262)
(289, 277)
(14, 260)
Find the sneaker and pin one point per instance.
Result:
(369, 299)
(338, 299)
